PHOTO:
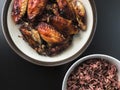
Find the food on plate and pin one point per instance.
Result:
(94, 74)
(49, 34)
(66, 9)
(64, 25)
(35, 7)
(80, 13)
(31, 35)
(19, 9)
(48, 26)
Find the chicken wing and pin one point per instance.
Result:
(49, 34)
(35, 7)
(63, 25)
(80, 13)
(66, 9)
(73, 10)
(31, 35)
(19, 9)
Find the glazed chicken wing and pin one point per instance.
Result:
(35, 7)
(73, 9)
(49, 34)
(66, 9)
(80, 13)
(31, 35)
(63, 25)
(19, 9)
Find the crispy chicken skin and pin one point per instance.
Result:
(63, 25)
(49, 34)
(60, 22)
(19, 9)
(35, 7)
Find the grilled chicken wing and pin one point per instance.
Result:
(31, 35)
(19, 9)
(63, 25)
(49, 34)
(73, 9)
(35, 7)
(80, 13)
(66, 9)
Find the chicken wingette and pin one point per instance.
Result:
(49, 34)
(19, 9)
(31, 35)
(65, 9)
(35, 7)
(63, 25)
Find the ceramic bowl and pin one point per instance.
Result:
(100, 56)
(79, 44)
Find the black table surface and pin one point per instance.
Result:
(18, 74)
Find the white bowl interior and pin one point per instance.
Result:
(106, 57)
(77, 44)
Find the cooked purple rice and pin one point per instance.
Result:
(94, 74)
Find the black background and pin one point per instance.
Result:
(18, 74)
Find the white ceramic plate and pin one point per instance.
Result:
(79, 44)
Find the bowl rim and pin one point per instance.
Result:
(21, 54)
(74, 65)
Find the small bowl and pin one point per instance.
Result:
(79, 44)
(101, 56)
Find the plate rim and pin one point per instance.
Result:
(25, 57)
